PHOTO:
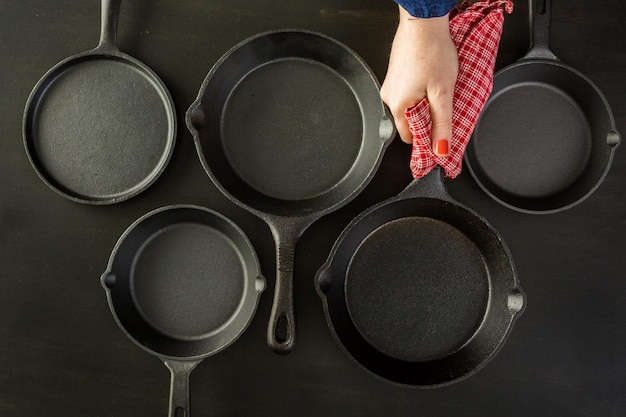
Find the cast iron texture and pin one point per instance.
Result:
(546, 137)
(99, 127)
(183, 283)
(289, 125)
(419, 289)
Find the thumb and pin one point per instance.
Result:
(441, 118)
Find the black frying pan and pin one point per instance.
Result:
(100, 126)
(183, 282)
(290, 126)
(419, 289)
(546, 137)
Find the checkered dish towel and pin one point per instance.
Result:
(476, 29)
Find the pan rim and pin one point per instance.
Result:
(585, 81)
(38, 94)
(293, 212)
(324, 282)
(374, 235)
(139, 305)
(328, 187)
(253, 287)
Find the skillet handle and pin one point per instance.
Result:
(539, 13)
(431, 185)
(281, 329)
(179, 386)
(108, 27)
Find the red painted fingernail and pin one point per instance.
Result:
(441, 147)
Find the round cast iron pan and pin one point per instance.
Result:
(546, 137)
(290, 126)
(419, 289)
(183, 283)
(100, 126)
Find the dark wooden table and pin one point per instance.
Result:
(61, 352)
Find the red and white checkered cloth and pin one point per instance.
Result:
(476, 29)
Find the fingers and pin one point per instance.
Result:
(397, 106)
(402, 126)
(423, 63)
(441, 118)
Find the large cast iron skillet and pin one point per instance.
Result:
(100, 126)
(183, 283)
(290, 126)
(419, 289)
(546, 137)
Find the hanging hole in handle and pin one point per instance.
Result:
(541, 6)
(281, 331)
(179, 412)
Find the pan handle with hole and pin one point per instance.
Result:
(183, 282)
(179, 386)
(281, 328)
(540, 12)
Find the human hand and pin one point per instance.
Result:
(423, 63)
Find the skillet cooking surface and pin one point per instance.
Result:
(183, 280)
(287, 121)
(290, 123)
(408, 297)
(534, 142)
(99, 128)
(420, 290)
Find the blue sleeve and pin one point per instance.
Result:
(427, 8)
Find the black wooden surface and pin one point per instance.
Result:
(61, 353)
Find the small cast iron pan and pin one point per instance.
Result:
(100, 126)
(290, 126)
(546, 137)
(419, 289)
(183, 283)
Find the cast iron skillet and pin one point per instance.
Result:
(100, 126)
(183, 283)
(546, 137)
(419, 289)
(290, 126)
